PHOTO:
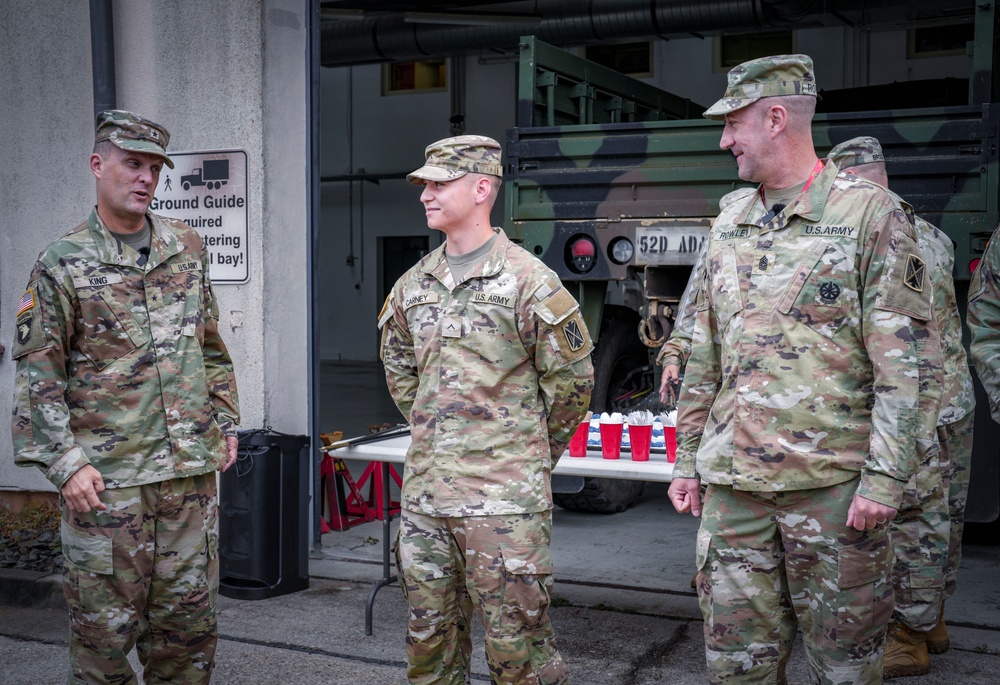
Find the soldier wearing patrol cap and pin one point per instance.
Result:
(799, 408)
(927, 532)
(125, 398)
(487, 356)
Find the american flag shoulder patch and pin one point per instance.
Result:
(27, 302)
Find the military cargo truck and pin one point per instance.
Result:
(614, 184)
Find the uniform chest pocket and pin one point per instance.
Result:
(821, 294)
(107, 331)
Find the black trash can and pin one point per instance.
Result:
(264, 517)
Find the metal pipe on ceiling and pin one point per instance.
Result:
(389, 37)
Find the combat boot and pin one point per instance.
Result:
(937, 640)
(905, 652)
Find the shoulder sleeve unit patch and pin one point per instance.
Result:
(913, 276)
(28, 333)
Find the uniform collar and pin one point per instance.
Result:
(163, 243)
(809, 205)
(487, 268)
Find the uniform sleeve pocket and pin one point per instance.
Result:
(87, 551)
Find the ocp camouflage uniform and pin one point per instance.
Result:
(984, 322)
(120, 365)
(801, 391)
(927, 532)
(493, 375)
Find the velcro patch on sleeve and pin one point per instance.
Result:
(557, 306)
(904, 287)
(573, 337)
(28, 334)
(387, 311)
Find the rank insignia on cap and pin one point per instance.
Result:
(574, 336)
(914, 276)
(26, 303)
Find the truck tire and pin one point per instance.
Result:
(618, 351)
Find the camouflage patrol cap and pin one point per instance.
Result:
(856, 151)
(132, 132)
(453, 158)
(763, 78)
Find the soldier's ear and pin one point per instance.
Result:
(777, 119)
(482, 187)
(96, 164)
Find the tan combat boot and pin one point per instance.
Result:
(905, 652)
(937, 639)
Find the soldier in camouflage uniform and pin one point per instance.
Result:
(488, 358)
(799, 406)
(927, 533)
(125, 398)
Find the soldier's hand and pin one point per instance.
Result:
(685, 495)
(232, 447)
(866, 514)
(82, 489)
(668, 381)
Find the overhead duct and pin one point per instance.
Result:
(390, 38)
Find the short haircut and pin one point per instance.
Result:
(104, 148)
(801, 109)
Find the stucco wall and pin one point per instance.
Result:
(229, 74)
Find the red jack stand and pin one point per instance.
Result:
(355, 508)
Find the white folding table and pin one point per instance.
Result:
(392, 450)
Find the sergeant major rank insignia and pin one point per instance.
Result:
(574, 336)
(914, 276)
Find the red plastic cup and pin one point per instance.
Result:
(578, 443)
(611, 440)
(670, 440)
(640, 436)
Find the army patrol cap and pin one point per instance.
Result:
(132, 132)
(453, 158)
(764, 78)
(856, 151)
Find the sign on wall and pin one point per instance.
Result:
(208, 191)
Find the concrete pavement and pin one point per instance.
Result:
(624, 614)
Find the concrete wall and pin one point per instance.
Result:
(227, 74)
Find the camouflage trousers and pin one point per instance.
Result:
(920, 538)
(144, 574)
(501, 565)
(772, 562)
(956, 440)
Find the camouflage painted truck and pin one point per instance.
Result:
(614, 184)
